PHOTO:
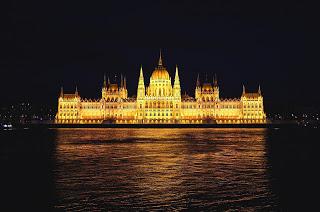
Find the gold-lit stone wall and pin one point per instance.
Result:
(161, 102)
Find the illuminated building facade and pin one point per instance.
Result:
(161, 103)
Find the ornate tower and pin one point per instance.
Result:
(140, 98)
(176, 86)
(141, 88)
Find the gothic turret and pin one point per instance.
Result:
(216, 92)
(123, 90)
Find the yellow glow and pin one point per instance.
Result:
(161, 103)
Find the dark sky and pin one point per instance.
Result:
(46, 44)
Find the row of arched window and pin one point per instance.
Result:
(67, 106)
(230, 106)
(160, 105)
(253, 106)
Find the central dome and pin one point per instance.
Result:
(160, 72)
(207, 87)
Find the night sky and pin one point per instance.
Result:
(47, 44)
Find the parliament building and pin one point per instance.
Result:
(160, 102)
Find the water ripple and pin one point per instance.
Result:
(167, 169)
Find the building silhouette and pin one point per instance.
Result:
(160, 103)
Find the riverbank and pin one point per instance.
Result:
(268, 125)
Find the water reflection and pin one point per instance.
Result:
(121, 169)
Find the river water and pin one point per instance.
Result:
(159, 169)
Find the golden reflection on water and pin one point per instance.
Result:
(160, 168)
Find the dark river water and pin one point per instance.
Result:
(159, 169)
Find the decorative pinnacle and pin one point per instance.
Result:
(259, 90)
(104, 80)
(61, 91)
(215, 80)
(198, 81)
(141, 72)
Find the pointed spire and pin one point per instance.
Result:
(215, 83)
(160, 59)
(115, 78)
(206, 77)
(121, 81)
(61, 91)
(125, 83)
(243, 90)
(141, 89)
(104, 80)
(259, 90)
(141, 79)
(76, 93)
(108, 80)
(177, 79)
(198, 81)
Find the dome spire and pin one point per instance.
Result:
(160, 59)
